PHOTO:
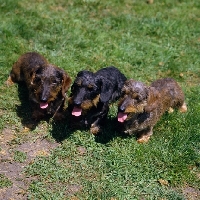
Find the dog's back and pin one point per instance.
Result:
(27, 63)
(170, 92)
(111, 78)
(113, 74)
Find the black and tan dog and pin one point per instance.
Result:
(91, 94)
(141, 106)
(46, 83)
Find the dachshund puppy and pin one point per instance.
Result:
(141, 106)
(46, 83)
(91, 94)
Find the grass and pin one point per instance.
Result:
(4, 182)
(145, 42)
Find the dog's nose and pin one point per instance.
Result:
(43, 99)
(44, 96)
(121, 109)
(77, 103)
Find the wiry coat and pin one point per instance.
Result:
(91, 94)
(141, 106)
(46, 83)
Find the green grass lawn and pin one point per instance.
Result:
(146, 42)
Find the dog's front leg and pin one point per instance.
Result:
(37, 114)
(95, 127)
(145, 135)
(99, 119)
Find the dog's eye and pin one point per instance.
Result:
(123, 93)
(39, 70)
(90, 87)
(54, 82)
(138, 98)
(37, 79)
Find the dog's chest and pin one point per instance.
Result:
(139, 121)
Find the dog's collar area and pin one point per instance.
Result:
(58, 107)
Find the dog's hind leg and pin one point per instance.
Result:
(183, 108)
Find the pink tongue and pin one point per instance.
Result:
(43, 105)
(121, 117)
(76, 111)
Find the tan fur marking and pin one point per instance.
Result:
(183, 108)
(86, 105)
(70, 100)
(130, 109)
(96, 100)
(171, 110)
(94, 129)
(144, 139)
(135, 109)
(9, 81)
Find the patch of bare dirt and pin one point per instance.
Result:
(40, 147)
(191, 193)
(72, 189)
(13, 170)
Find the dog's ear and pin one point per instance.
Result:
(66, 82)
(106, 89)
(152, 100)
(35, 71)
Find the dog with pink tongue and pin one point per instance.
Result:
(47, 84)
(141, 106)
(91, 95)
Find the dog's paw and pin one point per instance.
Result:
(183, 108)
(170, 110)
(149, 1)
(9, 81)
(143, 139)
(94, 129)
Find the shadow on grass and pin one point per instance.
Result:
(63, 129)
(24, 110)
(111, 130)
(60, 130)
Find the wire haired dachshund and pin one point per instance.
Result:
(91, 94)
(47, 84)
(141, 106)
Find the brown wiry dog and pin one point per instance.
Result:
(46, 83)
(141, 106)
